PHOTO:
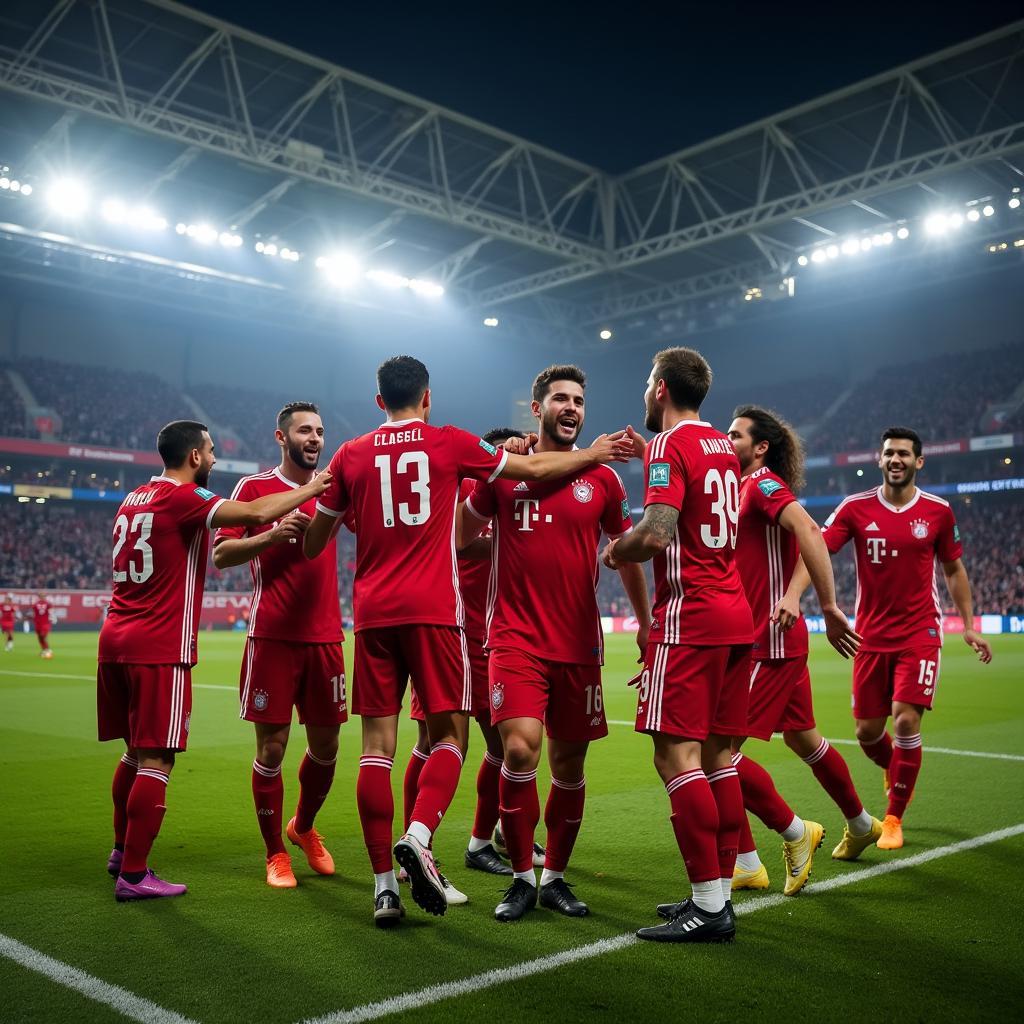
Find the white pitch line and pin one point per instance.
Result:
(927, 750)
(124, 1002)
(92, 679)
(450, 989)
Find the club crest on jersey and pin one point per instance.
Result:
(260, 699)
(769, 487)
(497, 695)
(582, 490)
(658, 474)
(919, 528)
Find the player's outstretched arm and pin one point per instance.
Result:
(319, 533)
(229, 551)
(648, 538)
(960, 591)
(815, 561)
(265, 510)
(553, 465)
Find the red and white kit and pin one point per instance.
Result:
(898, 612)
(766, 555)
(543, 624)
(696, 668)
(7, 616)
(402, 481)
(293, 654)
(41, 618)
(147, 645)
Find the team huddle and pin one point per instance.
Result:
(460, 540)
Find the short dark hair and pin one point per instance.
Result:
(544, 379)
(286, 413)
(785, 456)
(177, 439)
(904, 432)
(401, 381)
(686, 375)
(499, 434)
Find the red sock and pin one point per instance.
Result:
(725, 787)
(880, 750)
(268, 796)
(760, 796)
(315, 778)
(695, 823)
(906, 763)
(520, 812)
(376, 809)
(439, 780)
(831, 771)
(487, 802)
(563, 815)
(120, 790)
(411, 783)
(746, 841)
(146, 810)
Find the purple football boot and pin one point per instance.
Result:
(114, 862)
(150, 888)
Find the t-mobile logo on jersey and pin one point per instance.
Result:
(876, 549)
(527, 513)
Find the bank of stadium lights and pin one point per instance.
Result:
(67, 197)
(282, 252)
(13, 185)
(117, 212)
(341, 270)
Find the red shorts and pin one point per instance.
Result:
(567, 698)
(694, 691)
(435, 658)
(481, 703)
(780, 697)
(277, 675)
(42, 628)
(148, 706)
(6, 625)
(881, 678)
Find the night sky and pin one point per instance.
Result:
(616, 85)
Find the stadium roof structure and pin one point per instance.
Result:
(163, 103)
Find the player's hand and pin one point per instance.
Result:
(608, 555)
(638, 441)
(786, 613)
(979, 645)
(612, 448)
(642, 636)
(520, 445)
(290, 528)
(636, 680)
(321, 482)
(840, 635)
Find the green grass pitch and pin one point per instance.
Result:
(940, 940)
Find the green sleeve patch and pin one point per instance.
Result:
(489, 448)
(769, 487)
(625, 509)
(203, 493)
(658, 474)
(956, 533)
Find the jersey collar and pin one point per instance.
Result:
(280, 476)
(400, 423)
(166, 479)
(899, 511)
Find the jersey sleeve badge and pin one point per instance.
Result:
(625, 508)
(769, 487)
(203, 493)
(658, 474)
(487, 447)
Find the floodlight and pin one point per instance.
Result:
(67, 197)
(955, 220)
(230, 240)
(936, 224)
(5, 183)
(342, 269)
(802, 260)
(988, 210)
(973, 216)
(15, 185)
(903, 233)
(865, 244)
(886, 238)
(605, 335)
(849, 246)
(491, 321)
(1014, 203)
(387, 278)
(832, 252)
(428, 289)
(818, 256)
(26, 190)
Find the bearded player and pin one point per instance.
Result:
(898, 533)
(148, 642)
(293, 654)
(693, 689)
(402, 481)
(774, 531)
(545, 670)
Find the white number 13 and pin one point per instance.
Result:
(420, 486)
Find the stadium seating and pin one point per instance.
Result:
(14, 409)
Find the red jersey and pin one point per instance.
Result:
(474, 579)
(766, 554)
(698, 595)
(161, 542)
(7, 613)
(897, 591)
(544, 567)
(402, 481)
(293, 598)
(41, 611)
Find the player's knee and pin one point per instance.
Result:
(271, 753)
(520, 754)
(803, 744)
(869, 732)
(907, 722)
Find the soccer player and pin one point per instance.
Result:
(774, 531)
(402, 481)
(474, 578)
(8, 615)
(693, 689)
(148, 645)
(293, 654)
(544, 638)
(898, 532)
(42, 622)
